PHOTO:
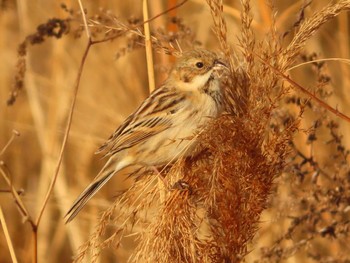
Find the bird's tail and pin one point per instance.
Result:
(100, 180)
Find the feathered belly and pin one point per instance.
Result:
(180, 140)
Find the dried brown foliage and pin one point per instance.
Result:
(55, 28)
(227, 185)
(260, 159)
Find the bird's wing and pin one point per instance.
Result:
(155, 114)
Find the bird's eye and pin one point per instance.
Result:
(199, 64)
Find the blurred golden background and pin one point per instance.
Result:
(112, 85)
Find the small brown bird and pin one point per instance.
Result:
(163, 128)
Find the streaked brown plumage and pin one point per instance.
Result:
(162, 129)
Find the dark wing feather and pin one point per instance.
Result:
(152, 117)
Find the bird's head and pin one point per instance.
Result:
(195, 68)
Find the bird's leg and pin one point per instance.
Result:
(182, 186)
(179, 185)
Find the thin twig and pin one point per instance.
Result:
(14, 134)
(93, 42)
(22, 208)
(310, 160)
(7, 236)
(66, 134)
(344, 60)
(19, 192)
(305, 91)
(88, 34)
(69, 122)
(24, 212)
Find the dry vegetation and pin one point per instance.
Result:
(270, 181)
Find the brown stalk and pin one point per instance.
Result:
(65, 138)
(68, 125)
(66, 134)
(305, 91)
(148, 47)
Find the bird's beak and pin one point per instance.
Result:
(219, 64)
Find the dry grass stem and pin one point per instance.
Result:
(148, 47)
(309, 27)
(343, 60)
(22, 208)
(7, 236)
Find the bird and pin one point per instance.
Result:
(163, 127)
